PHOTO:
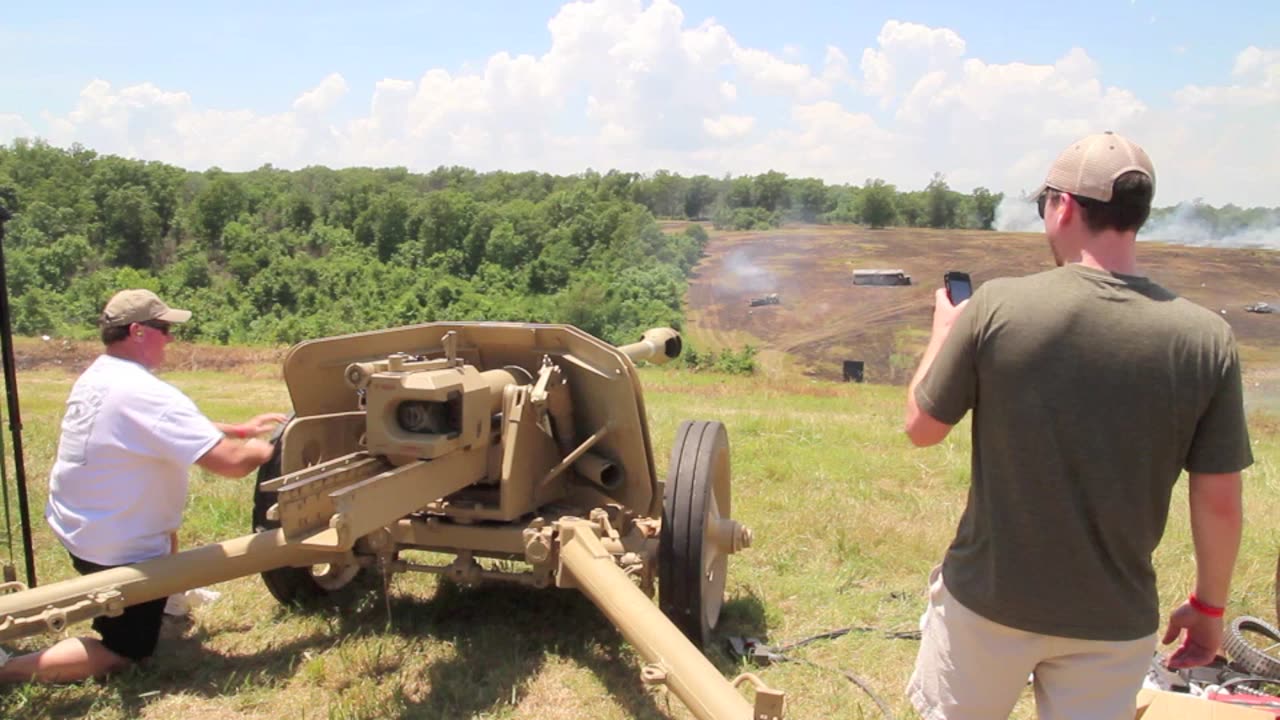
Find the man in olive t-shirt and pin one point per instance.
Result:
(1092, 389)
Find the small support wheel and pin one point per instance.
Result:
(315, 586)
(693, 554)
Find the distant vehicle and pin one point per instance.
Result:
(881, 277)
(770, 299)
(1260, 307)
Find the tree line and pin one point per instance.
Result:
(770, 199)
(276, 256)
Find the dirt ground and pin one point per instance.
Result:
(823, 319)
(75, 355)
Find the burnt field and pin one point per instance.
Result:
(823, 319)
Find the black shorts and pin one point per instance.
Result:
(132, 634)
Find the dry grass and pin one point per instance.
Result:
(823, 319)
(73, 356)
(848, 520)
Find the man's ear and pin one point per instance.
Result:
(1068, 207)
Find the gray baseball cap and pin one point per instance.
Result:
(136, 306)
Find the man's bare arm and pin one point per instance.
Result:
(233, 458)
(1217, 519)
(257, 425)
(922, 428)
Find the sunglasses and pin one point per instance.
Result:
(164, 327)
(1043, 198)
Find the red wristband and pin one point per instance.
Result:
(239, 431)
(1204, 609)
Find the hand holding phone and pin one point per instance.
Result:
(959, 287)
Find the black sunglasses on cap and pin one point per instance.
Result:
(164, 327)
(1083, 202)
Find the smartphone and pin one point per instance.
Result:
(959, 287)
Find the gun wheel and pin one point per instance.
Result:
(692, 560)
(332, 577)
(312, 586)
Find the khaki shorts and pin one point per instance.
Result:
(970, 668)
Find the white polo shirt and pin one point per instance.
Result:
(119, 485)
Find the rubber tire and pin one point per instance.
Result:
(295, 586)
(701, 448)
(1244, 654)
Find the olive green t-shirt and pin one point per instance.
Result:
(1090, 392)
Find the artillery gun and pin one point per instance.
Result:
(516, 442)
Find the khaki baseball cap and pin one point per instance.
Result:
(1089, 167)
(135, 306)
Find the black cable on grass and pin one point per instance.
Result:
(833, 634)
(753, 650)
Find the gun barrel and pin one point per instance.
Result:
(54, 606)
(657, 346)
(684, 669)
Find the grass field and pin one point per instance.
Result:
(848, 520)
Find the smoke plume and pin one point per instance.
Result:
(1187, 224)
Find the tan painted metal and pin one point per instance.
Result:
(311, 440)
(508, 441)
(674, 661)
(378, 501)
(54, 606)
(600, 378)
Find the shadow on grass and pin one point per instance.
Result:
(182, 664)
(743, 616)
(500, 638)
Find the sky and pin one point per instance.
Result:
(986, 93)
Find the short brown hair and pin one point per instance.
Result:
(114, 334)
(1130, 205)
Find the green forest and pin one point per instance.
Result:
(276, 256)
(273, 256)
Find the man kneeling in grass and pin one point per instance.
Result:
(119, 484)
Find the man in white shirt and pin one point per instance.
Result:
(119, 485)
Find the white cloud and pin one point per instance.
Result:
(13, 125)
(1225, 139)
(146, 122)
(1000, 125)
(728, 126)
(774, 76)
(907, 52)
(633, 85)
(829, 141)
(835, 67)
(1258, 62)
(1257, 75)
(323, 96)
